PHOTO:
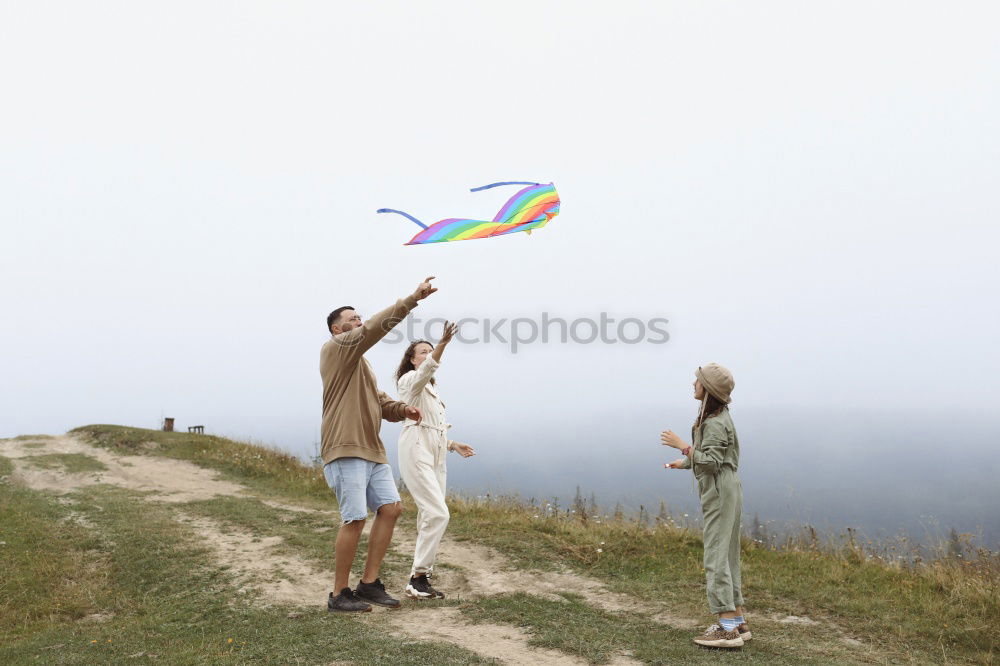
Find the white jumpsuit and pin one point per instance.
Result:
(422, 452)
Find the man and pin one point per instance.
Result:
(354, 460)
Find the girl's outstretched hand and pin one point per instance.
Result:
(670, 438)
(677, 464)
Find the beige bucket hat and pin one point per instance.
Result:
(717, 380)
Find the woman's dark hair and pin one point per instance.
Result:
(332, 318)
(407, 363)
(712, 407)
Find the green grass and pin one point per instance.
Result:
(930, 612)
(71, 462)
(51, 570)
(941, 608)
(163, 597)
(578, 628)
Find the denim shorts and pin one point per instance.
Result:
(360, 485)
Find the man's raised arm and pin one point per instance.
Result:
(359, 340)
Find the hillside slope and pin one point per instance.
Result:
(123, 545)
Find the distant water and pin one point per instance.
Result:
(884, 474)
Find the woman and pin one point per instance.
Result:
(715, 457)
(422, 450)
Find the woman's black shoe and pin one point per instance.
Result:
(420, 588)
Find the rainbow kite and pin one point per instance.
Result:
(529, 209)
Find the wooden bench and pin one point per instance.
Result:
(198, 430)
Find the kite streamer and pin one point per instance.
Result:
(531, 208)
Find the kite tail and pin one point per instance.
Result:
(406, 215)
(509, 182)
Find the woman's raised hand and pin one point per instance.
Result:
(450, 330)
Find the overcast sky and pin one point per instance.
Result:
(806, 191)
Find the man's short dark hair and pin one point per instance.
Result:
(332, 318)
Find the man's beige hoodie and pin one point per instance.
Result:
(353, 407)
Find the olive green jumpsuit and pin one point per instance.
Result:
(715, 458)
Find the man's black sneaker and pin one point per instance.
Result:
(346, 602)
(420, 588)
(375, 593)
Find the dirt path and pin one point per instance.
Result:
(479, 571)
(168, 480)
(502, 642)
(278, 578)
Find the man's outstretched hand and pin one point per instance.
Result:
(413, 413)
(424, 289)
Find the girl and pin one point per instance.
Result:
(423, 446)
(715, 457)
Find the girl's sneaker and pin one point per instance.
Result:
(420, 588)
(717, 637)
(744, 631)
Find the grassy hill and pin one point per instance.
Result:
(124, 545)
